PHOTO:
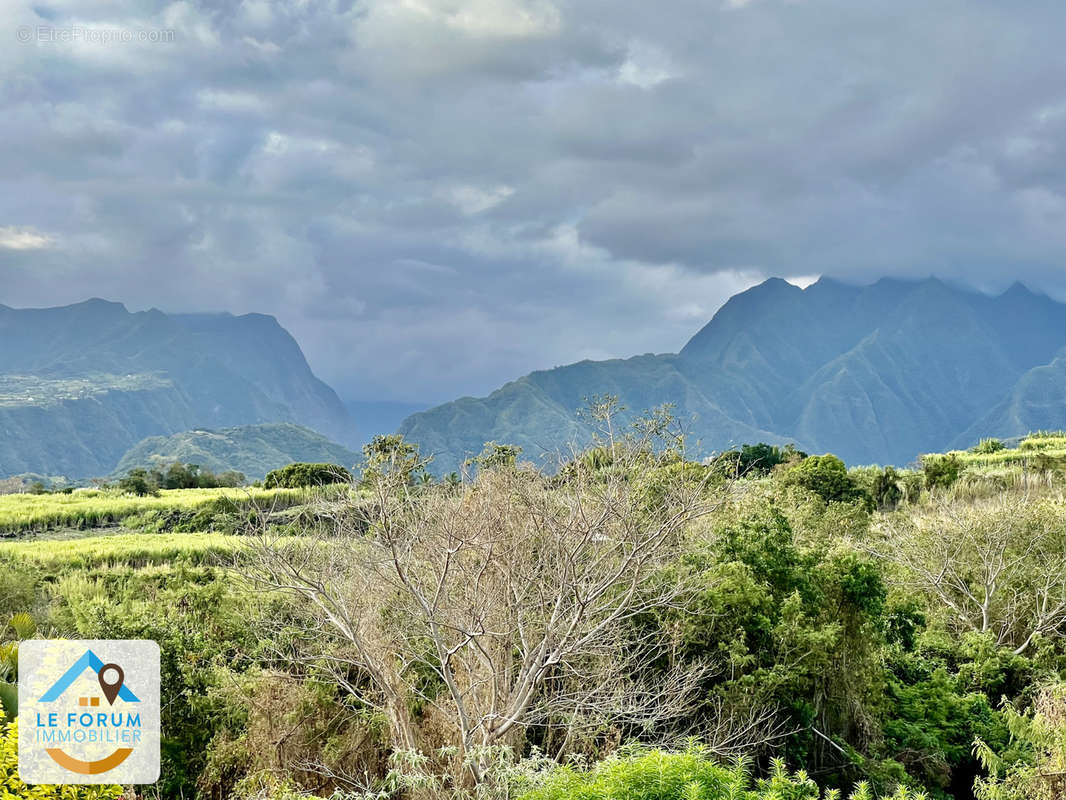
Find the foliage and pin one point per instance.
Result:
(140, 483)
(1034, 766)
(941, 471)
(810, 631)
(394, 458)
(251, 450)
(11, 786)
(692, 774)
(995, 566)
(94, 508)
(303, 475)
(193, 476)
(988, 446)
(533, 585)
(827, 477)
(759, 459)
(887, 487)
(19, 627)
(495, 456)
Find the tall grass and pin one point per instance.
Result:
(120, 550)
(97, 508)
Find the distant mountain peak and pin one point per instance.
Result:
(80, 384)
(1019, 289)
(99, 302)
(875, 373)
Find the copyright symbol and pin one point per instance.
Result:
(24, 33)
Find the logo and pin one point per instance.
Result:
(89, 711)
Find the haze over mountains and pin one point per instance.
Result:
(81, 384)
(875, 374)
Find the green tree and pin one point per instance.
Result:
(827, 477)
(391, 455)
(941, 471)
(301, 475)
(758, 459)
(988, 446)
(496, 456)
(886, 491)
(138, 482)
(1034, 766)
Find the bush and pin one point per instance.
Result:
(692, 774)
(12, 786)
(988, 446)
(138, 482)
(192, 476)
(885, 487)
(301, 475)
(827, 477)
(758, 459)
(941, 471)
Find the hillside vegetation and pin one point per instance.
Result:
(81, 384)
(764, 625)
(253, 450)
(84, 509)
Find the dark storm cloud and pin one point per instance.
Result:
(438, 195)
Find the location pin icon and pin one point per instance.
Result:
(111, 690)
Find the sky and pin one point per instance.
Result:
(437, 196)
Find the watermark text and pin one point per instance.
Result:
(76, 34)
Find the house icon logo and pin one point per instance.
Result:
(89, 711)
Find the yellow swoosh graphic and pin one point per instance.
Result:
(89, 767)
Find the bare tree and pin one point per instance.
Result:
(998, 565)
(511, 600)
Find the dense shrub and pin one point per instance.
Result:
(143, 482)
(693, 774)
(827, 477)
(301, 475)
(758, 459)
(11, 786)
(941, 471)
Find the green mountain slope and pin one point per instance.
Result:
(539, 412)
(81, 384)
(251, 449)
(1034, 404)
(875, 373)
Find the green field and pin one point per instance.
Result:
(96, 508)
(1036, 451)
(100, 551)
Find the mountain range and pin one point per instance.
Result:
(876, 374)
(81, 384)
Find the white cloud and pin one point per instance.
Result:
(394, 177)
(507, 19)
(473, 200)
(13, 238)
(645, 67)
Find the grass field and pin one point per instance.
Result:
(97, 508)
(121, 549)
(1038, 450)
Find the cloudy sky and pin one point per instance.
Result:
(436, 196)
